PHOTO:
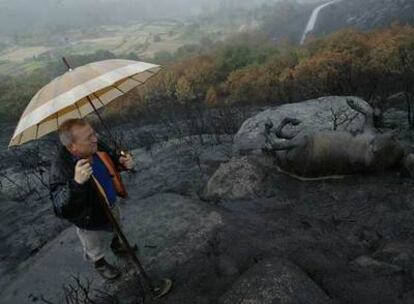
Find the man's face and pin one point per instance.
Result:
(85, 141)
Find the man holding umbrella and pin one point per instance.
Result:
(84, 178)
(75, 197)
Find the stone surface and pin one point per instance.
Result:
(376, 266)
(275, 281)
(168, 228)
(397, 252)
(227, 266)
(408, 165)
(208, 247)
(239, 178)
(178, 165)
(316, 115)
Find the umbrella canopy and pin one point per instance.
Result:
(76, 93)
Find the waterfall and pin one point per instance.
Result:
(313, 18)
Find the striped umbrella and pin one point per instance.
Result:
(77, 93)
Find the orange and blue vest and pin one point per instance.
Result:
(108, 176)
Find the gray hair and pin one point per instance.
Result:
(65, 130)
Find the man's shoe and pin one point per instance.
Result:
(106, 270)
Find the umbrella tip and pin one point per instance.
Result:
(66, 63)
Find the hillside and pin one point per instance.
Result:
(364, 15)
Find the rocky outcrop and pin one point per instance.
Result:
(349, 239)
(325, 113)
(275, 281)
(237, 179)
(171, 228)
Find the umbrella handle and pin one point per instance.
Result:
(124, 152)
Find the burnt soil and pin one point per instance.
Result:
(322, 226)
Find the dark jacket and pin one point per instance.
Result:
(79, 204)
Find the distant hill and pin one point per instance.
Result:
(287, 19)
(364, 15)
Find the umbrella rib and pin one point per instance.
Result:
(142, 82)
(123, 92)
(98, 99)
(37, 130)
(57, 119)
(77, 108)
(149, 71)
(136, 80)
(116, 88)
(20, 139)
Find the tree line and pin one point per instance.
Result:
(250, 69)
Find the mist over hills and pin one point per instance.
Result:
(364, 15)
(29, 15)
(16, 16)
(280, 19)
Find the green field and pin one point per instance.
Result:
(144, 39)
(16, 54)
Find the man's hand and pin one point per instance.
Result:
(127, 161)
(83, 171)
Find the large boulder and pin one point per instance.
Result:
(237, 179)
(325, 113)
(275, 281)
(170, 229)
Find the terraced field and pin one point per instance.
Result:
(144, 39)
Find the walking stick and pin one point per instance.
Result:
(155, 291)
